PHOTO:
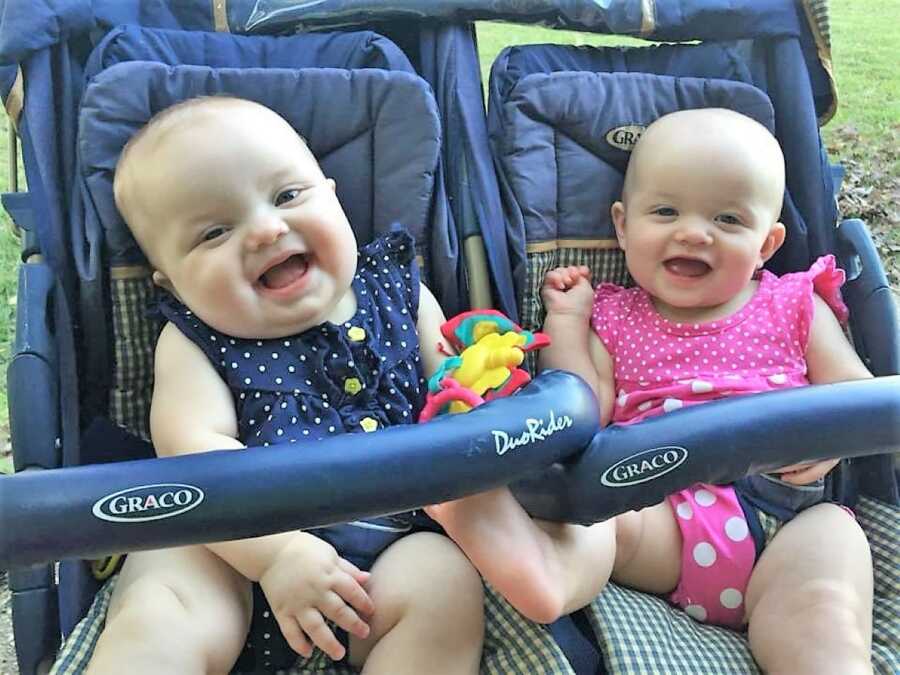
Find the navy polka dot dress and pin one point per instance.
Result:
(356, 377)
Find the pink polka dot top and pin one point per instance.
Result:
(662, 365)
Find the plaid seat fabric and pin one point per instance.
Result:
(606, 264)
(640, 633)
(513, 645)
(637, 633)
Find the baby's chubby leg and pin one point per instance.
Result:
(809, 601)
(544, 570)
(429, 611)
(179, 610)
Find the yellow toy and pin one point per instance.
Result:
(491, 349)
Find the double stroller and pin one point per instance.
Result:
(390, 97)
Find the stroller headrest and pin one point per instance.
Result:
(376, 132)
(566, 138)
(358, 49)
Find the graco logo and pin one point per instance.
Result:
(644, 466)
(148, 502)
(624, 137)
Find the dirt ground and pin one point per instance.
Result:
(871, 191)
(7, 647)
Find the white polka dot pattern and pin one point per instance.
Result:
(704, 554)
(661, 366)
(736, 528)
(718, 555)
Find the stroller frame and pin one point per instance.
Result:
(61, 282)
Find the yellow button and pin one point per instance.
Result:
(352, 386)
(356, 334)
(368, 424)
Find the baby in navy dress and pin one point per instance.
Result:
(279, 331)
(697, 220)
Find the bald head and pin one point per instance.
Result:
(709, 135)
(170, 135)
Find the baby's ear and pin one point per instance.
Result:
(617, 212)
(331, 184)
(773, 242)
(162, 281)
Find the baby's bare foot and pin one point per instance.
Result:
(512, 554)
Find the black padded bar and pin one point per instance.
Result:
(90, 511)
(630, 467)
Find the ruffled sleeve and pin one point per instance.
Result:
(795, 302)
(606, 314)
(827, 279)
(398, 246)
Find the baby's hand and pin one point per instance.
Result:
(307, 583)
(567, 290)
(806, 472)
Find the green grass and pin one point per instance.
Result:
(865, 46)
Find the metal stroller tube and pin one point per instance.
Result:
(89, 511)
(630, 467)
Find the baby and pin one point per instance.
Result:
(697, 221)
(279, 332)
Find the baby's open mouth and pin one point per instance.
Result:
(686, 267)
(285, 273)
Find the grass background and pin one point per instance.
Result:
(865, 50)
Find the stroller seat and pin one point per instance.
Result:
(352, 120)
(562, 123)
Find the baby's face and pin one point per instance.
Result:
(699, 218)
(241, 224)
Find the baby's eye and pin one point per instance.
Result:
(214, 233)
(665, 211)
(286, 196)
(729, 219)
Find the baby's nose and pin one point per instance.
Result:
(265, 232)
(693, 233)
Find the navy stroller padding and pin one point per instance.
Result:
(100, 509)
(776, 67)
(362, 49)
(352, 121)
(558, 147)
(703, 60)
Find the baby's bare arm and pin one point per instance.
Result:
(829, 355)
(192, 408)
(193, 411)
(829, 358)
(574, 346)
(431, 317)
(303, 578)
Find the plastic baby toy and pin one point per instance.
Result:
(491, 347)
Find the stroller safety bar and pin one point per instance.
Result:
(96, 510)
(90, 511)
(630, 467)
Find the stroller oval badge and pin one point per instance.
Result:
(148, 502)
(625, 137)
(644, 466)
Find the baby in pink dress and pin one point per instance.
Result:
(697, 221)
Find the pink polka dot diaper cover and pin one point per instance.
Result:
(718, 554)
